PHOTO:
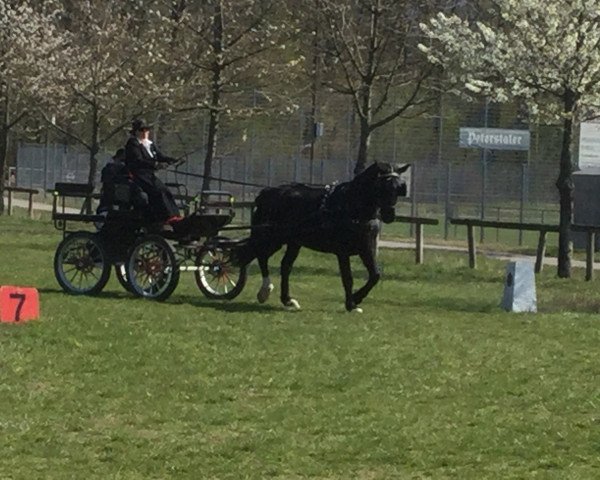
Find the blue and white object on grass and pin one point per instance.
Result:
(519, 288)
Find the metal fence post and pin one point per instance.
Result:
(413, 197)
(269, 171)
(484, 156)
(447, 213)
(522, 199)
(220, 173)
(46, 160)
(483, 187)
(440, 147)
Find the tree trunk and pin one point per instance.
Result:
(314, 91)
(211, 146)
(565, 188)
(364, 140)
(4, 128)
(3, 161)
(93, 150)
(93, 164)
(215, 105)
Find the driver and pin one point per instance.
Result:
(143, 159)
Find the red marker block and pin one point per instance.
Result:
(19, 304)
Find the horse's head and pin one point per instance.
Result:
(385, 184)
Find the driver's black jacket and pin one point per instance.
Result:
(141, 166)
(137, 157)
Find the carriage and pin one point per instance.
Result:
(343, 219)
(146, 260)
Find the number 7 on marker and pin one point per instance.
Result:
(18, 304)
(21, 298)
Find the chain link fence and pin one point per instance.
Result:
(446, 180)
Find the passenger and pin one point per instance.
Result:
(114, 168)
(110, 174)
(142, 159)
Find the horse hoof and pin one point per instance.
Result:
(263, 294)
(292, 304)
(356, 310)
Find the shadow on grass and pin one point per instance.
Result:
(103, 294)
(37, 246)
(571, 304)
(232, 306)
(441, 278)
(447, 304)
(175, 299)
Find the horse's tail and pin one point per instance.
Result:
(243, 253)
(246, 251)
(262, 234)
(264, 203)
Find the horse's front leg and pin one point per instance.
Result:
(287, 263)
(368, 259)
(346, 272)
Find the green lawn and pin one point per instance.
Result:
(432, 381)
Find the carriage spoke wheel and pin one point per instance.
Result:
(152, 270)
(80, 264)
(217, 276)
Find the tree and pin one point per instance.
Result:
(27, 39)
(105, 74)
(543, 52)
(371, 45)
(217, 49)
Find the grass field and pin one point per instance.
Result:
(432, 381)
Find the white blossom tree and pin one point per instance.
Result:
(371, 45)
(27, 38)
(105, 75)
(544, 52)
(218, 49)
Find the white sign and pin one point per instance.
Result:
(494, 138)
(589, 145)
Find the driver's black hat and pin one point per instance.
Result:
(139, 124)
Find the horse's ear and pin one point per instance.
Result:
(402, 168)
(370, 172)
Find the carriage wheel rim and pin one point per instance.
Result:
(217, 273)
(151, 271)
(81, 263)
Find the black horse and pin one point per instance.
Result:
(342, 219)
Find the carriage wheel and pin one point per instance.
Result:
(152, 270)
(217, 277)
(80, 264)
(121, 274)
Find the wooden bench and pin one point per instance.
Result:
(419, 222)
(542, 228)
(30, 191)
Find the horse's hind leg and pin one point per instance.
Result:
(286, 268)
